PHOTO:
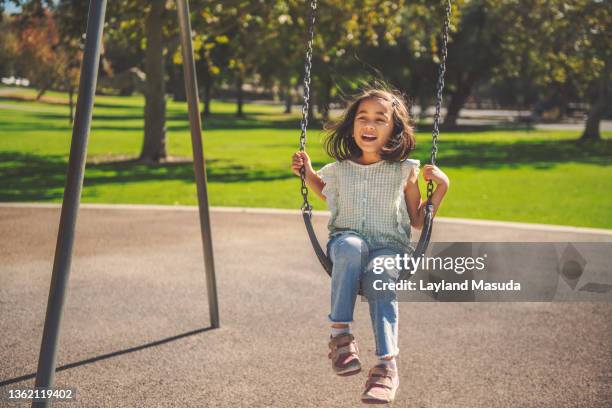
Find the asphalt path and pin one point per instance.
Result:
(136, 333)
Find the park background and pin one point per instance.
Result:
(525, 135)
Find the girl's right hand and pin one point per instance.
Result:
(301, 159)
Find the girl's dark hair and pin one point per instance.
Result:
(340, 144)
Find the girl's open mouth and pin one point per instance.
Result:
(368, 138)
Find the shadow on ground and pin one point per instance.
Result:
(537, 154)
(28, 177)
(109, 355)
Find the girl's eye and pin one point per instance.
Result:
(380, 121)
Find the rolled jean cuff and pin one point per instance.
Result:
(389, 355)
(329, 319)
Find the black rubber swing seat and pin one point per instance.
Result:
(418, 252)
(425, 237)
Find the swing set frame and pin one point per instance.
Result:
(45, 374)
(47, 359)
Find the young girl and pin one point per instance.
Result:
(373, 194)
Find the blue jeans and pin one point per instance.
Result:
(353, 267)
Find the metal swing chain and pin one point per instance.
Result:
(306, 207)
(439, 88)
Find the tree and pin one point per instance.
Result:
(595, 47)
(565, 47)
(599, 104)
(150, 35)
(71, 22)
(281, 61)
(410, 48)
(154, 144)
(9, 48)
(213, 56)
(37, 50)
(472, 55)
(346, 31)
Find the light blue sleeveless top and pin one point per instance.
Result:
(369, 200)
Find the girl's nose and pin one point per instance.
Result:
(369, 126)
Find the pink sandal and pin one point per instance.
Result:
(343, 353)
(381, 385)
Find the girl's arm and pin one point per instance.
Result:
(313, 181)
(412, 194)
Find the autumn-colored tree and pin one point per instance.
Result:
(9, 48)
(45, 58)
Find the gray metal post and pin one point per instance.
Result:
(199, 164)
(45, 374)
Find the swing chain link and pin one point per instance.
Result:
(306, 207)
(439, 88)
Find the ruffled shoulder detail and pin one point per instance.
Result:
(403, 218)
(329, 175)
(407, 167)
(328, 171)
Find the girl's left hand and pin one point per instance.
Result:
(436, 175)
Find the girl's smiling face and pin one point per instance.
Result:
(373, 125)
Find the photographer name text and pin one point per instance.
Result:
(443, 286)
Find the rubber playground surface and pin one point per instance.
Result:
(135, 329)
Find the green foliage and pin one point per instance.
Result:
(9, 48)
(561, 46)
(558, 44)
(521, 52)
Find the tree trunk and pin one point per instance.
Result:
(41, 92)
(154, 144)
(239, 96)
(178, 84)
(205, 79)
(206, 91)
(598, 109)
(176, 78)
(457, 100)
(288, 99)
(325, 100)
(591, 128)
(207, 96)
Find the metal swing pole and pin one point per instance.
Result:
(45, 373)
(199, 163)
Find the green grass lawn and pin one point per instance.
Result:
(514, 175)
